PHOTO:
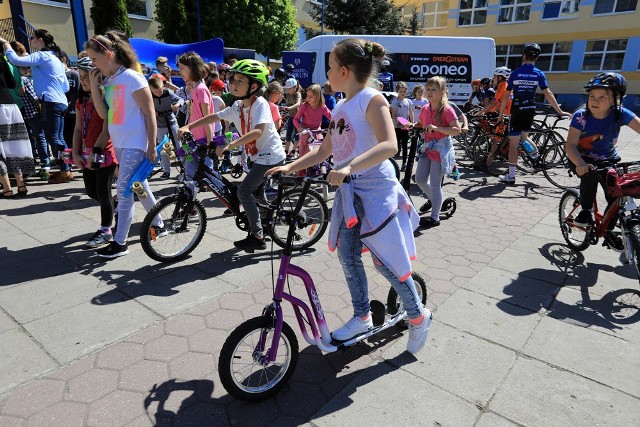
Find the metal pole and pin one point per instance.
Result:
(322, 20)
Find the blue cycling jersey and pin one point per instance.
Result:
(386, 78)
(524, 81)
(598, 137)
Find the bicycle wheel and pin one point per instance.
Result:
(463, 152)
(634, 235)
(310, 223)
(182, 237)
(576, 237)
(394, 303)
(244, 371)
(555, 167)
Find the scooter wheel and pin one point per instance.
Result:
(449, 207)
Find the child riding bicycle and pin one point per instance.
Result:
(592, 137)
(252, 116)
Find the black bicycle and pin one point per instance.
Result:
(185, 219)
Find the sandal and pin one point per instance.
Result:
(23, 192)
(4, 194)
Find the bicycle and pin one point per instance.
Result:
(185, 219)
(624, 186)
(260, 355)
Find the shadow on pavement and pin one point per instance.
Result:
(616, 307)
(316, 380)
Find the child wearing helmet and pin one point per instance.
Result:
(385, 76)
(252, 117)
(593, 134)
(523, 83)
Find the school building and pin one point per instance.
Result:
(578, 38)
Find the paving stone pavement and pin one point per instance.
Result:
(525, 332)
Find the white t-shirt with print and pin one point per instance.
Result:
(402, 109)
(351, 133)
(267, 150)
(127, 126)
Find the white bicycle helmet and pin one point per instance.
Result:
(502, 71)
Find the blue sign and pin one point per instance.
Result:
(149, 50)
(303, 65)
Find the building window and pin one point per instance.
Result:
(604, 7)
(51, 2)
(472, 12)
(604, 55)
(509, 56)
(554, 57)
(514, 11)
(560, 9)
(435, 14)
(137, 8)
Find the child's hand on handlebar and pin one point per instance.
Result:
(278, 169)
(336, 177)
(431, 128)
(586, 168)
(221, 149)
(183, 130)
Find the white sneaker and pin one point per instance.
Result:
(508, 179)
(354, 327)
(419, 334)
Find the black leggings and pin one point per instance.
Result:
(97, 183)
(402, 135)
(589, 188)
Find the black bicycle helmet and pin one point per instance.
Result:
(613, 81)
(290, 67)
(279, 74)
(486, 81)
(532, 50)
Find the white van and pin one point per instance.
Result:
(413, 59)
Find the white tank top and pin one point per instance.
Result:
(351, 134)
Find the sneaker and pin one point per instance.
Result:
(507, 179)
(584, 218)
(61, 177)
(426, 207)
(157, 231)
(354, 327)
(419, 334)
(403, 167)
(165, 175)
(428, 222)
(250, 243)
(113, 250)
(613, 240)
(99, 238)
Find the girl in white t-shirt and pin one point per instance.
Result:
(122, 97)
(252, 117)
(401, 106)
(371, 210)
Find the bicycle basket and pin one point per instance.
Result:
(627, 184)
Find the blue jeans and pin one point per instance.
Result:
(53, 116)
(350, 256)
(36, 131)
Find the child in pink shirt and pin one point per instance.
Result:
(309, 115)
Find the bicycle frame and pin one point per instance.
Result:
(601, 221)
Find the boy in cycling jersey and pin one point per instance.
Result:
(592, 138)
(523, 83)
(492, 104)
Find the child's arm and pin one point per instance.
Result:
(310, 159)
(551, 99)
(96, 94)
(206, 120)
(145, 102)
(635, 124)
(582, 167)
(77, 140)
(297, 103)
(298, 117)
(204, 108)
(253, 135)
(103, 138)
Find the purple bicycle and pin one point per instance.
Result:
(260, 355)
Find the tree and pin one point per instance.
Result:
(110, 15)
(268, 26)
(172, 17)
(414, 24)
(360, 17)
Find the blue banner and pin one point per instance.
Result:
(148, 50)
(303, 65)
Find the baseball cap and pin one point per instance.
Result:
(290, 83)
